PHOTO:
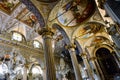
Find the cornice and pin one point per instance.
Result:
(19, 45)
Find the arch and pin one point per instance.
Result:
(96, 22)
(65, 36)
(39, 71)
(107, 62)
(100, 39)
(35, 11)
(41, 46)
(100, 43)
(103, 46)
(23, 37)
(32, 65)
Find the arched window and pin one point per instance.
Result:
(36, 44)
(17, 36)
(37, 70)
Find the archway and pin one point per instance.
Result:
(107, 63)
(35, 72)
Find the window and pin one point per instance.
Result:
(36, 44)
(37, 70)
(16, 36)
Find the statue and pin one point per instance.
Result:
(16, 65)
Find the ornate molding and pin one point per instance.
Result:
(20, 45)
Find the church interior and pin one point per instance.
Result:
(59, 39)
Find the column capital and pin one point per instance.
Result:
(70, 46)
(84, 55)
(46, 31)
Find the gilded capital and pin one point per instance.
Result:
(70, 46)
(46, 31)
(83, 55)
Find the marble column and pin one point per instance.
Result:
(48, 53)
(75, 64)
(97, 69)
(86, 63)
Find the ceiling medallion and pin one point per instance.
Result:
(75, 12)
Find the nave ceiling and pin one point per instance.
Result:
(79, 19)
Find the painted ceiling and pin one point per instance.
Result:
(75, 12)
(26, 19)
(17, 17)
(8, 5)
(20, 17)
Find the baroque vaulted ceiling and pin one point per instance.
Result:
(29, 16)
(76, 21)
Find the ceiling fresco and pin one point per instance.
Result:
(19, 16)
(89, 30)
(8, 5)
(30, 6)
(27, 17)
(75, 12)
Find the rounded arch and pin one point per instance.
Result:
(23, 37)
(40, 44)
(103, 46)
(95, 42)
(107, 61)
(33, 65)
(65, 36)
(35, 11)
(96, 22)
(98, 40)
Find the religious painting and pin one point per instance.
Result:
(75, 12)
(8, 5)
(89, 29)
(27, 17)
(85, 32)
